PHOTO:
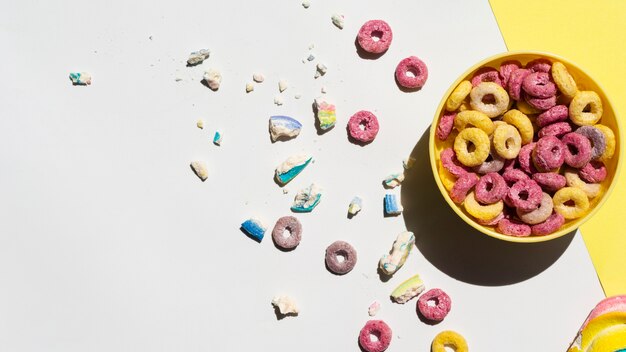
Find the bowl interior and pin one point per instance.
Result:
(584, 82)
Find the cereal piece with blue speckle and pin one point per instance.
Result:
(217, 138)
(197, 57)
(284, 127)
(392, 205)
(292, 167)
(254, 228)
(307, 199)
(80, 78)
(394, 180)
(355, 206)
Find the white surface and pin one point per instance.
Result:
(108, 242)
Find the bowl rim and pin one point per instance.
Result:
(444, 192)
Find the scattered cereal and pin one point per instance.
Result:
(407, 290)
(291, 167)
(320, 70)
(355, 206)
(284, 127)
(392, 262)
(325, 113)
(213, 78)
(254, 228)
(436, 312)
(197, 57)
(278, 99)
(323, 89)
(200, 169)
(258, 77)
(446, 340)
(291, 225)
(375, 36)
(338, 20)
(286, 305)
(378, 329)
(307, 199)
(394, 180)
(373, 309)
(80, 78)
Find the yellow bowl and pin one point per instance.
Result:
(584, 82)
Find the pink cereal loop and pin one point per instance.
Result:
(593, 172)
(415, 66)
(514, 85)
(462, 186)
(445, 125)
(539, 65)
(539, 85)
(450, 162)
(363, 126)
(383, 334)
(375, 29)
(555, 114)
(491, 188)
(557, 129)
(513, 228)
(442, 306)
(486, 74)
(553, 223)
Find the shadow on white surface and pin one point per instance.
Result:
(457, 249)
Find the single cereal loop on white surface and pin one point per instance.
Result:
(483, 91)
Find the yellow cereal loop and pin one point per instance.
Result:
(526, 108)
(580, 102)
(592, 190)
(446, 177)
(450, 339)
(465, 105)
(458, 95)
(482, 212)
(485, 89)
(564, 80)
(498, 123)
(507, 141)
(474, 118)
(522, 123)
(609, 136)
(567, 194)
(472, 146)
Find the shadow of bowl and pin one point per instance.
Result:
(456, 248)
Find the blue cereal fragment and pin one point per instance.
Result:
(254, 228)
(217, 138)
(284, 126)
(291, 167)
(392, 206)
(307, 199)
(355, 206)
(80, 78)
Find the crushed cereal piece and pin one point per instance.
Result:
(393, 180)
(355, 206)
(284, 127)
(286, 305)
(325, 113)
(392, 206)
(213, 78)
(408, 163)
(402, 246)
(217, 138)
(254, 228)
(292, 167)
(311, 57)
(278, 99)
(249, 87)
(200, 124)
(408, 290)
(320, 70)
(307, 199)
(258, 77)
(200, 169)
(306, 4)
(323, 89)
(197, 57)
(285, 190)
(373, 308)
(338, 20)
(282, 85)
(80, 78)
(298, 96)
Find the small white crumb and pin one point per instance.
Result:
(278, 99)
(320, 70)
(197, 57)
(80, 78)
(306, 4)
(249, 87)
(258, 77)
(311, 57)
(311, 46)
(285, 190)
(282, 85)
(200, 124)
(213, 78)
(298, 96)
(200, 169)
(338, 20)
(286, 305)
(373, 308)
(323, 90)
(408, 163)
(177, 79)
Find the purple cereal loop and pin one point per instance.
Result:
(368, 121)
(556, 129)
(525, 195)
(491, 188)
(513, 228)
(593, 172)
(291, 224)
(462, 186)
(445, 125)
(553, 223)
(345, 250)
(371, 29)
(486, 74)
(514, 175)
(506, 68)
(524, 158)
(539, 65)
(442, 306)
(556, 113)
(597, 139)
(383, 334)
(578, 149)
(538, 215)
(539, 85)
(548, 154)
(549, 181)
(541, 103)
(514, 86)
(450, 162)
(416, 66)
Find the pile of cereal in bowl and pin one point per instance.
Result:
(523, 147)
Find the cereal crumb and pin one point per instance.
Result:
(373, 308)
(393, 180)
(355, 206)
(199, 168)
(311, 46)
(197, 57)
(213, 78)
(323, 89)
(408, 163)
(338, 20)
(200, 124)
(306, 4)
(320, 70)
(311, 57)
(249, 87)
(298, 96)
(217, 138)
(282, 85)
(80, 78)
(285, 190)
(278, 99)
(258, 77)
(286, 305)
